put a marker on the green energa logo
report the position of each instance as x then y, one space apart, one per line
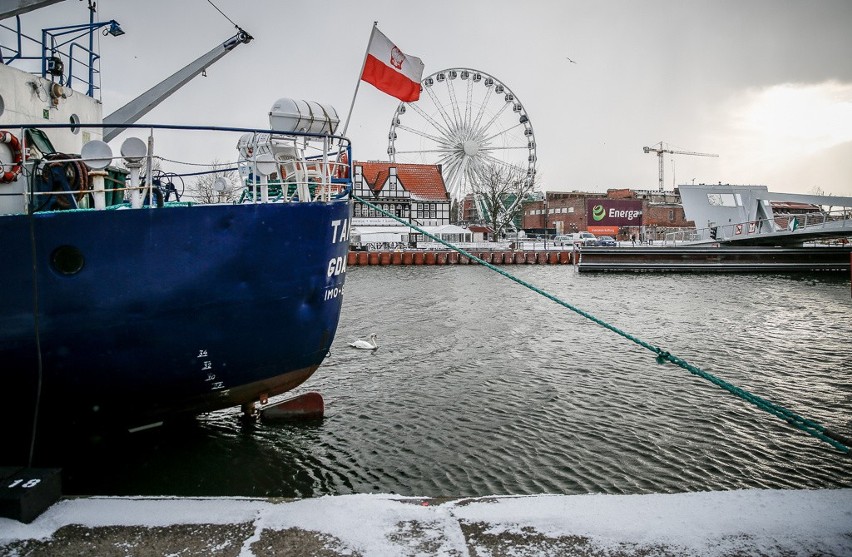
598 212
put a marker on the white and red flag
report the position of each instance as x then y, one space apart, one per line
391 71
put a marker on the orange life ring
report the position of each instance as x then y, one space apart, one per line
17 157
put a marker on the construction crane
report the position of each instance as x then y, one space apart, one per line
662 150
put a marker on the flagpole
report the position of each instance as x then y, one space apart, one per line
361 73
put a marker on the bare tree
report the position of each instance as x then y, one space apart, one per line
498 192
208 188
455 211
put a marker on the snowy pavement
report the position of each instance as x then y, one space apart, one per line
750 522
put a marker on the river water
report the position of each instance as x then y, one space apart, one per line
481 386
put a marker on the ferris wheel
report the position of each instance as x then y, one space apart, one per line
465 120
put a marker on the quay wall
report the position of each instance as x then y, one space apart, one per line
449 257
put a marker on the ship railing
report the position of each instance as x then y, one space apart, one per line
282 166
278 167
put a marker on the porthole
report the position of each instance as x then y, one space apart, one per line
2 105
67 260
75 124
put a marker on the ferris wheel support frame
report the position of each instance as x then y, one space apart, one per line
453 129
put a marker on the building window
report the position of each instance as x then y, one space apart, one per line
722 199
671 215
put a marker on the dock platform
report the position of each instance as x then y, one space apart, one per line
714 259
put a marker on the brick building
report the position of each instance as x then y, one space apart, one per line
566 212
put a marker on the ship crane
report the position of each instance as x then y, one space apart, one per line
144 103
660 150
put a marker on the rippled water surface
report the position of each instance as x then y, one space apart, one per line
480 386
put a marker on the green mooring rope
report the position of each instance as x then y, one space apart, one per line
811 427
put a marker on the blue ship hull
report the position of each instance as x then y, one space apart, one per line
120 318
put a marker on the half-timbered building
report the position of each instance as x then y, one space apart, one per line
415 193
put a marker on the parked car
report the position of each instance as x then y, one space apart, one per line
585 239
577 238
606 241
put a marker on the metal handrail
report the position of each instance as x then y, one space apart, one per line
323 177
779 224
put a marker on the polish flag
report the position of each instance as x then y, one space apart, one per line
391 71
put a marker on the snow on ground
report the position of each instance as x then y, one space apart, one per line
711 523
769 522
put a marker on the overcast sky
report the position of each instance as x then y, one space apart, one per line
766 85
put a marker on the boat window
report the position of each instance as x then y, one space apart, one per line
67 260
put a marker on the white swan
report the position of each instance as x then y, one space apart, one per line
364 344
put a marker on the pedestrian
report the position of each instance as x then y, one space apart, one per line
633 239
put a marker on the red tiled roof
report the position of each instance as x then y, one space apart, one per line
422 181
